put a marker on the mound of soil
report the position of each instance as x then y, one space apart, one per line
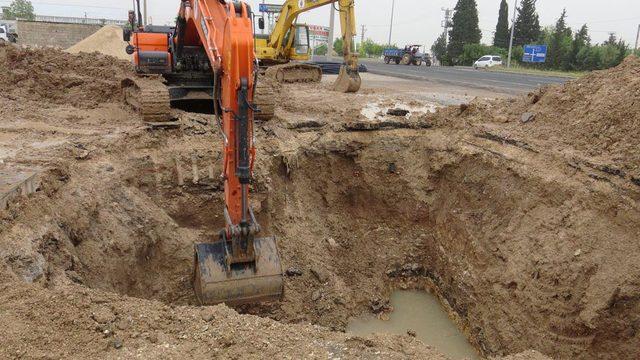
596 116
108 41
83 80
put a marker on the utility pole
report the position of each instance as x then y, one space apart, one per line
262 30
145 13
364 30
393 7
513 30
637 39
332 23
445 24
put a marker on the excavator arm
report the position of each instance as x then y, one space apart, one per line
281 38
239 267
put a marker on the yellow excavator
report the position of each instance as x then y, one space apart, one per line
290 41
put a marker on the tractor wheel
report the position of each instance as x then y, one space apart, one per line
387 59
407 59
397 60
418 62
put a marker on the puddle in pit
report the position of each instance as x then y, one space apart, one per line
421 312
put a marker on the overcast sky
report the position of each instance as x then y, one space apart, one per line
416 21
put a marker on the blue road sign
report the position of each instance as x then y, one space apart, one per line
270 8
535 53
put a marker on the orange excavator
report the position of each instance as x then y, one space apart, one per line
213 43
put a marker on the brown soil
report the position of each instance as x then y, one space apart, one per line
107 41
83 81
527 247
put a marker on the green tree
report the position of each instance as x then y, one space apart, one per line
465 29
560 44
19 9
517 53
321 50
337 46
527 26
623 51
439 48
612 40
502 34
581 40
370 48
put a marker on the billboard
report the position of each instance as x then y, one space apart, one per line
319 33
535 53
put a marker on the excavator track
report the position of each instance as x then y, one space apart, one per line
149 97
264 100
295 73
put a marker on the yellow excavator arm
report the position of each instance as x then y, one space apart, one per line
280 45
281 41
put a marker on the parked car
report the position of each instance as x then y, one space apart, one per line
487 61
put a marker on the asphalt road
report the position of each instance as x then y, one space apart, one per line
466 77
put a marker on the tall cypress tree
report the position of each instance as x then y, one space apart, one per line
502 35
439 48
527 24
465 29
580 41
556 48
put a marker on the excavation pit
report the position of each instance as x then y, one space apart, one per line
356 217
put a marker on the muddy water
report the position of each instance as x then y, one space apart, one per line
422 313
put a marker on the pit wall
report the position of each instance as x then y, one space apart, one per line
528 256
53 34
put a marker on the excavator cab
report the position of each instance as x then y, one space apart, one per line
301 49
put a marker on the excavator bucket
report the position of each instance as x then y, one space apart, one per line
347 81
216 282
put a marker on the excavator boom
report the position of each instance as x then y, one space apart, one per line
239 267
213 42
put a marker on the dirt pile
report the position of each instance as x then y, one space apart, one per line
596 116
83 80
108 41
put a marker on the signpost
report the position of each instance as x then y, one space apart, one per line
271 8
535 54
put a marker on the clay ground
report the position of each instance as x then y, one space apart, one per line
526 231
